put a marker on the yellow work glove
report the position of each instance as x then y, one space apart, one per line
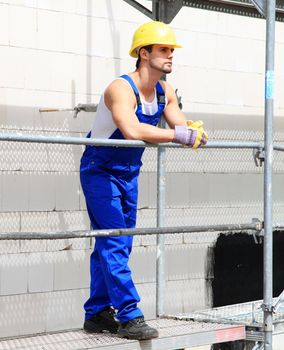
192 135
201 137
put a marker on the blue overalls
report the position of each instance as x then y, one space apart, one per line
109 180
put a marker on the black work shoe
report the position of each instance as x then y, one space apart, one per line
137 329
103 322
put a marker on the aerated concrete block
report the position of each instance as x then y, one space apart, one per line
188 295
152 189
67 221
177 189
143 195
59 310
77 26
173 297
147 293
34 221
33 246
15 192
80 296
11 71
4 24
71 269
41 312
197 295
40 272
50 30
143 264
137 241
66 191
9 247
10 221
26 18
22 314
186 261
13 274
41 192
82 201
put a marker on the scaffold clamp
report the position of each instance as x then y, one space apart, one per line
258 156
278 302
178 99
267 308
85 107
259 233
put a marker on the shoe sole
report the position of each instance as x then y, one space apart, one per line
137 336
99 330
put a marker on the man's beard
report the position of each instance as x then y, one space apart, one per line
164 69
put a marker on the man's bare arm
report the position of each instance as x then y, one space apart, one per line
121 101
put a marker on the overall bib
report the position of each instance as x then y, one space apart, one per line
109 180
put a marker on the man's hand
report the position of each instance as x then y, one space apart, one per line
192 135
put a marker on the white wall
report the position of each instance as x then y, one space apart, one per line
60 53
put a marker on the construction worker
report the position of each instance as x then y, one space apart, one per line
130 108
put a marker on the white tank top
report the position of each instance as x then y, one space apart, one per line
104 126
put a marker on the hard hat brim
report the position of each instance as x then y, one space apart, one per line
134 51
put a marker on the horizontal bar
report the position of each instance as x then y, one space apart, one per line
202 318
234 7
255 225
68 140
278 226
18 137
278 147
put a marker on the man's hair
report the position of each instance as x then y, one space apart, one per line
147 48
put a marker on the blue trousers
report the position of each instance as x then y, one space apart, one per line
111 200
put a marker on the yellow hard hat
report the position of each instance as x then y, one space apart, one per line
150 33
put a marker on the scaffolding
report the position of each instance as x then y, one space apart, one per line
195 329
263 152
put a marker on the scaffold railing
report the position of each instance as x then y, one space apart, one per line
256 227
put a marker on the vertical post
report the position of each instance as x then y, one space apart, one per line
161 204
268 169
161 200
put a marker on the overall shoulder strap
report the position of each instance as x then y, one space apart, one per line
135 90
160 94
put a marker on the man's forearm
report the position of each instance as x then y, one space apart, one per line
150 133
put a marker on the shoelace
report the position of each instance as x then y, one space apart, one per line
139 320
111 312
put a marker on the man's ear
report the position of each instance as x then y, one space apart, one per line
143 53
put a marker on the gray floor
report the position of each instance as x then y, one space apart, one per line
173 334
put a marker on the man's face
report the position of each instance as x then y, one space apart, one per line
161 58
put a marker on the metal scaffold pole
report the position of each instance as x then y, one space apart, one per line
161 202
268 168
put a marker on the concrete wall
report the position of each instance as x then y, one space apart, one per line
60 53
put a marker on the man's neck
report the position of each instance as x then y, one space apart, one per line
145 80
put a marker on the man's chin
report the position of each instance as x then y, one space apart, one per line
167 71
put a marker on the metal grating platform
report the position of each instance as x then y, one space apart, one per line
173 334
250 314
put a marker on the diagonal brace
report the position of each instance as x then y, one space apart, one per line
260 6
